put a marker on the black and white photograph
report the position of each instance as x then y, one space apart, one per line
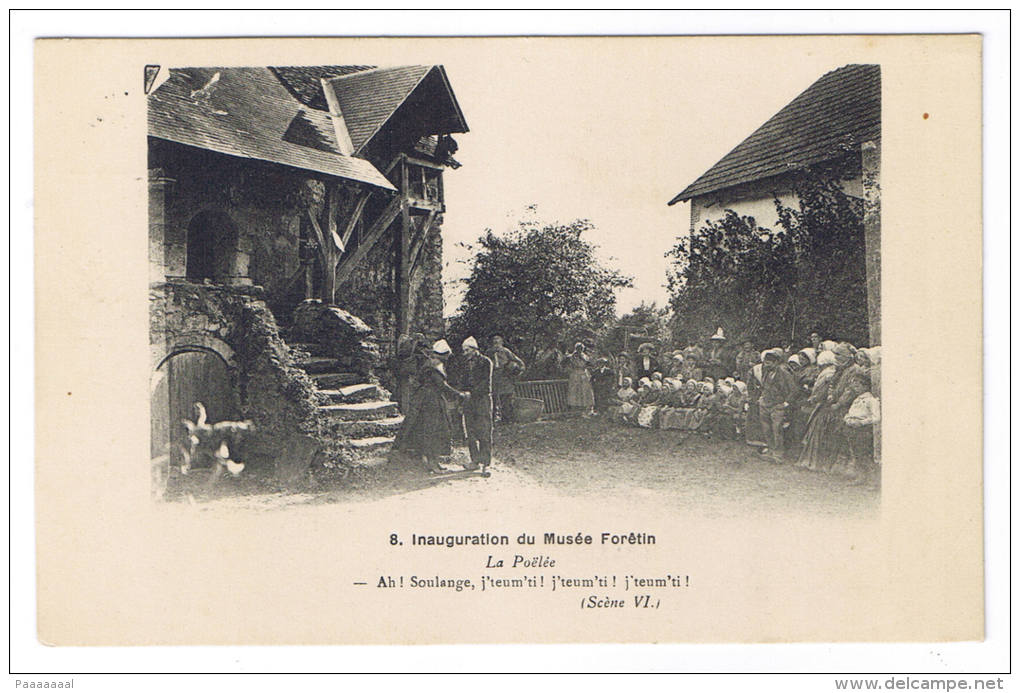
531 340
324 323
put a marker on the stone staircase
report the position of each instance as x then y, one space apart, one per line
357 412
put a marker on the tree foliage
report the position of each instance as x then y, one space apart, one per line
776 286
539 285
646 319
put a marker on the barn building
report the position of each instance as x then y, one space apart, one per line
837 120
295 216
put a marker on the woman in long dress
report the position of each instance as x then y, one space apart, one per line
811 407
427 427
579 393
823 439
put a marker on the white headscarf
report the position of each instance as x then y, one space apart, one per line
826 358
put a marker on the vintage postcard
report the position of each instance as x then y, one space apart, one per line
509 340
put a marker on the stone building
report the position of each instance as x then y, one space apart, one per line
837 121
294 233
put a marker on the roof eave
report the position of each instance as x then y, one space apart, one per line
453 99
388 186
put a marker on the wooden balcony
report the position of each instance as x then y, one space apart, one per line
420 183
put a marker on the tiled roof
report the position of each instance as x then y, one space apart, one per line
305 82
369 98
247 112
841 110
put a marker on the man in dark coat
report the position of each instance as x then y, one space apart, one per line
478 407
778 391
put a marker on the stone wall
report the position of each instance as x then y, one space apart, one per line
236 324
267 206
279 399
262 203
427 286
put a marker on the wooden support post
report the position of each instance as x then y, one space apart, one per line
870 169
871 162
404 248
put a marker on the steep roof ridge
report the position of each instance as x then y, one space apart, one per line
781 135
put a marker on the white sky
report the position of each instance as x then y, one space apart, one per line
608 130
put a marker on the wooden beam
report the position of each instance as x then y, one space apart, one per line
369 239
352 220
319 237
396 160
419 244
404 268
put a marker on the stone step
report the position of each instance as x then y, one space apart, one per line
367 429
332 381
372 461
360 392
371 443
317 365
306 347
360 411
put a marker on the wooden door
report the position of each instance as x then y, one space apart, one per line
183 379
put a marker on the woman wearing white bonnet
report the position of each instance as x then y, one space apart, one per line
426 427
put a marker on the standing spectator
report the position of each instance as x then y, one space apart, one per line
715 367
811 455
478 407
676 364
506 367
646 363
778 390
625 368
816 341
863 414
745 358
821 444
850 384
547 363
580 397
752 428
603 381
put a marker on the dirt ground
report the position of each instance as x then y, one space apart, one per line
580 458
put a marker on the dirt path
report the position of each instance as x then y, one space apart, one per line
586 459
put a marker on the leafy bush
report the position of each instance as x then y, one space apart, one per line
539 285
776 286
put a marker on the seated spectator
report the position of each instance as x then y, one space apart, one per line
676 364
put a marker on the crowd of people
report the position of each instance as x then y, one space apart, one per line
817 406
